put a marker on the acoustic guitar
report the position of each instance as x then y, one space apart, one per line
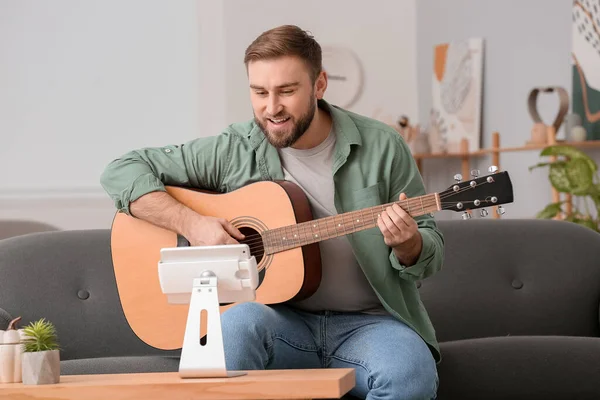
276 219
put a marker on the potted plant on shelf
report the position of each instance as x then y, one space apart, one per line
572 172
40 359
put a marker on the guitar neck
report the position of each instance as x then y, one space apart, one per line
292 236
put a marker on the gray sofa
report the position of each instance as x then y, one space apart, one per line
516 307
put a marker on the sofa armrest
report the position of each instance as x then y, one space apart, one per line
520 367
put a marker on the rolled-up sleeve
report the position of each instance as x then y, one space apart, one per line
200 163
429 261
407 179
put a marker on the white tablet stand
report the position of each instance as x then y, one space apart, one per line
205 277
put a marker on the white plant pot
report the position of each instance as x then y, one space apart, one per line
40 367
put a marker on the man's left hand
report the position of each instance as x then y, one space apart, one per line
401 233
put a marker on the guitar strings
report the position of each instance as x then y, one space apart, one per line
258 239
250 239
255 239
257 246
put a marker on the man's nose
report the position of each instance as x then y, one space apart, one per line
274 106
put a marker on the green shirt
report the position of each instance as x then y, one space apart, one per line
372 165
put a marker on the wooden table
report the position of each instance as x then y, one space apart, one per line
256 385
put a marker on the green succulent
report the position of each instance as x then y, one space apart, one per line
575 173
39 335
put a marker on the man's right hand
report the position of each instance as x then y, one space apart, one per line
211 231
160 209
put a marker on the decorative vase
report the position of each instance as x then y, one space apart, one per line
420 144
578 134
10 362
539 134
10 353
571 120
41 367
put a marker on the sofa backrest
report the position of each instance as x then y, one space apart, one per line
67 277
500 277
515 277
17 227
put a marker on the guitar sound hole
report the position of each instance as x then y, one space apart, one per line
255 243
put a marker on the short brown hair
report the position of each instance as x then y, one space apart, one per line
287 40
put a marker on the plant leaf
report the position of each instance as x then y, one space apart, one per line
550 211
558 177
539 165
573 176
596 198
592 190
39 336
570 152
587 222
580 175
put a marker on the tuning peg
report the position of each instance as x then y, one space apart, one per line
493 169
500 210
466 215
475 173
483 212
458 177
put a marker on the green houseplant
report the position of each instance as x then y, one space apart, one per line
572 172
41 359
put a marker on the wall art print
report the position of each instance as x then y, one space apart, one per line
585 59
457 90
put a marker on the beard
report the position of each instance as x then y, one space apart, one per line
281 138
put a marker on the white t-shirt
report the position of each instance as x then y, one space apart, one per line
344 286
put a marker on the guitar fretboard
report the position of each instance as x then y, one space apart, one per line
292 236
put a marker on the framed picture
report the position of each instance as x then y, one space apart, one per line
585 59
457 93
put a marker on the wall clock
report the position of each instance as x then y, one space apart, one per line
344 73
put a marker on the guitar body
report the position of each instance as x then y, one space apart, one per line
288 275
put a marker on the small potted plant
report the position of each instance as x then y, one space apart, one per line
40 359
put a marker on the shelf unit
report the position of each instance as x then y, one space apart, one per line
495 150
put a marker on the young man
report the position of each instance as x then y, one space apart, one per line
366 313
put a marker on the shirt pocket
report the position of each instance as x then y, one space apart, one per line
370 196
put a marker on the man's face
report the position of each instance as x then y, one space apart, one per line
283 99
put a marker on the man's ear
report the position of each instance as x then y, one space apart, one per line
321 85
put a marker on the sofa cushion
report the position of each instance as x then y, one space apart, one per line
119 365
519 367
515 277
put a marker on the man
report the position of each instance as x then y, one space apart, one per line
366 314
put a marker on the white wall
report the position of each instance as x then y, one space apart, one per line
382 36
83 82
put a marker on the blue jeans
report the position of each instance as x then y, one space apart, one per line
391 361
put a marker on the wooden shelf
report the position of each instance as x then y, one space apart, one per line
421 156
492 150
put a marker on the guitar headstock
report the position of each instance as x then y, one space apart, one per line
479 192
